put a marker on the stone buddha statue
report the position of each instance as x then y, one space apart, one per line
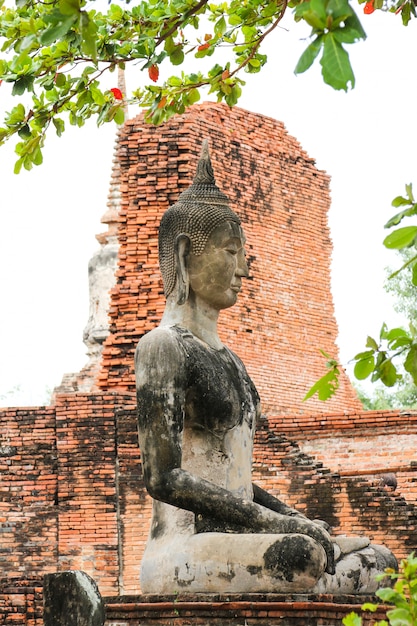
212 529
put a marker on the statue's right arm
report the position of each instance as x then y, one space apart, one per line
161 387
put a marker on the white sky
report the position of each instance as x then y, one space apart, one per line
366 140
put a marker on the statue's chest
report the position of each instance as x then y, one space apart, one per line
220 395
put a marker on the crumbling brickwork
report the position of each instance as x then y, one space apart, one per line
29 485
73 495
284 314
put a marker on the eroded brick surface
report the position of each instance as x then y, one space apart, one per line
284 314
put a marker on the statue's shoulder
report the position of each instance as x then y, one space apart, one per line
163 342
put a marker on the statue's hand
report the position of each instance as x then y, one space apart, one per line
317 529
294 513
322 523
299 524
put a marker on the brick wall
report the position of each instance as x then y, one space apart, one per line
28 470
73 495
284 314
21 601
330 467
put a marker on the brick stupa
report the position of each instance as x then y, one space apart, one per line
285 314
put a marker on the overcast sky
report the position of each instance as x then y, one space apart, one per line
365 140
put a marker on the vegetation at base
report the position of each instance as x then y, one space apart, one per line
390 358
402 595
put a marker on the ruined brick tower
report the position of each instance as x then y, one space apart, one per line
284 315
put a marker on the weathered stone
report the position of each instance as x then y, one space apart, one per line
72 599
351 544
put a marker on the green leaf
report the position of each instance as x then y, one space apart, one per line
69 7
88 32
345 35
16 115
60 79
119 116
364 367
354 25
24 132
369 606
37 158
394 333
97 95
22 84
401 238
177 55
410 363
193 96
325 387
57 32
396 219
220 27
59 125
406 13
234 19
400 201
414 274
336 69
388 373
309 55
409 192
313 20
371 343
18 166
352 619
364 355
319 8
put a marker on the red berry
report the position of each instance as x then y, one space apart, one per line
369 7
117 93
153 72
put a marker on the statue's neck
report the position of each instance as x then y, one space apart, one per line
196 317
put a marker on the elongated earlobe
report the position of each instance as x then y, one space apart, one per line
182 249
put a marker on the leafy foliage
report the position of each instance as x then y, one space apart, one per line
396 345
400 285
404 238
333 23
395 350
402 396
328 384
379 360
404 393
403 595
56 52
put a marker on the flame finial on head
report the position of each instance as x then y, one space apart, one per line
204 174
203 188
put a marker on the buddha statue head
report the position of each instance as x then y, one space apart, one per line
200 209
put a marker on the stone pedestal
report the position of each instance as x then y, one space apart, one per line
71 598
236 610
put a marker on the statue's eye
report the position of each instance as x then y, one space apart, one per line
231 250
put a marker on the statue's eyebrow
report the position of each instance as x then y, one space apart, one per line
235 240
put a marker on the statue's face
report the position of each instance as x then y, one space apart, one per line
216 275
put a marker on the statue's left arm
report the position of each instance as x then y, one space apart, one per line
262 497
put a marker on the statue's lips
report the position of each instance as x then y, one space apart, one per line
235 288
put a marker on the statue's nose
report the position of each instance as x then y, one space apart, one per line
242 269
